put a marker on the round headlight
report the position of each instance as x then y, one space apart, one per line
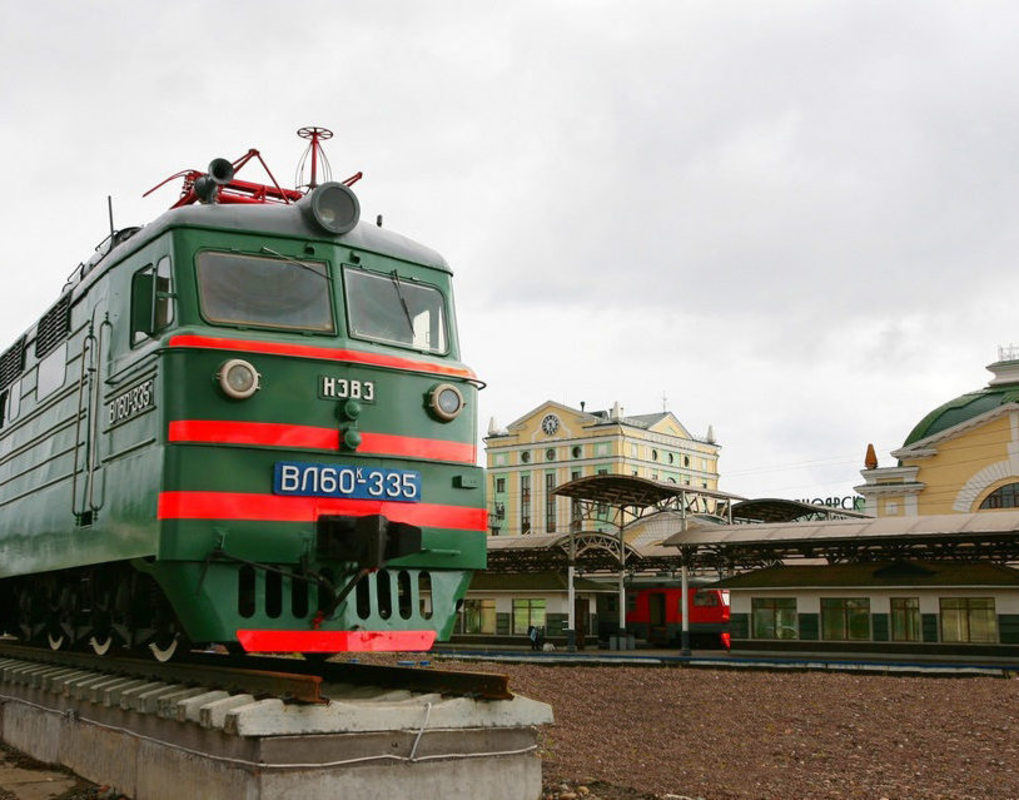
334 207
238 379
446 401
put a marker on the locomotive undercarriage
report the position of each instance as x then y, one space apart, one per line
95 608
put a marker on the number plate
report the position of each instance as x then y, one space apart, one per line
358 483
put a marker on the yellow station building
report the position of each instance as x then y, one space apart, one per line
962 457
554 444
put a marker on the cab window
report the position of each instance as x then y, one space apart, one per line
245 290
383 307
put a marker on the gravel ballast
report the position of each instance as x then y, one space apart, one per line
634 732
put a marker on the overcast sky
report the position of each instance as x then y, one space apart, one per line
795 222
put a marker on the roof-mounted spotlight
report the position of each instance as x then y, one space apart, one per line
333 207
220 173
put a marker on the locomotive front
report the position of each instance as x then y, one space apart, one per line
319 489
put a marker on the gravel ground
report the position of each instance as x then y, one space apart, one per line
660 732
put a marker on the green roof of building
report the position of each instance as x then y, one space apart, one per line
961 409
876 574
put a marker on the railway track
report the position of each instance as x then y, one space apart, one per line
289 679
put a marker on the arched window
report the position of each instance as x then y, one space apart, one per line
1006 496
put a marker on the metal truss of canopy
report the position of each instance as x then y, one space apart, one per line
621 500
594 551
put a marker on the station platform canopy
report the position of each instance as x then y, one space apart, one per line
642 515
977 536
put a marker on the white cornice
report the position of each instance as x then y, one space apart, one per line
890 488
889 472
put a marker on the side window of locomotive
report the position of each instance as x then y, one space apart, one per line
151 300
384 308
51 372
243 290
163 294
13 407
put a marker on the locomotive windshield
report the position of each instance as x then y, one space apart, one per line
383 308
270 292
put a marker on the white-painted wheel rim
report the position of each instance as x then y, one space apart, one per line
164 653
101 646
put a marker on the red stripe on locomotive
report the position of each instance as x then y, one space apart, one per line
325 353
249 506
274 434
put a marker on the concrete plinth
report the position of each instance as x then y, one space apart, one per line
167 741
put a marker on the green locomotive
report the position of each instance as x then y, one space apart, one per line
245 423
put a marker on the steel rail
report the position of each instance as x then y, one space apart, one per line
272 676
481 685
288 685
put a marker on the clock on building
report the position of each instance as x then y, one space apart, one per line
550 424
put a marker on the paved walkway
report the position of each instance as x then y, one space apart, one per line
20 779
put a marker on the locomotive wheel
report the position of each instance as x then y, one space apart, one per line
56 641
101 643
166 645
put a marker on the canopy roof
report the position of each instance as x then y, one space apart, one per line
986 535
624 490
768 509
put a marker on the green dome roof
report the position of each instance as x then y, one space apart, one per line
963 408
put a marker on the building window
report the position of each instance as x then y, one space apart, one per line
525 503
577 451
550 454
525 457
774 617
550 509
968 619
654 455
1003 497
479 616
13 402
686 461
845 619
672 458
500 485
906 619
528 612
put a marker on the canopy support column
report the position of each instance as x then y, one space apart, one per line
685 608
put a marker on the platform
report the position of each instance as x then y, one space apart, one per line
157 741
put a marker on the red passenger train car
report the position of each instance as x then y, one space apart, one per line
654 613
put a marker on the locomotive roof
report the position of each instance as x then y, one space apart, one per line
282 220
